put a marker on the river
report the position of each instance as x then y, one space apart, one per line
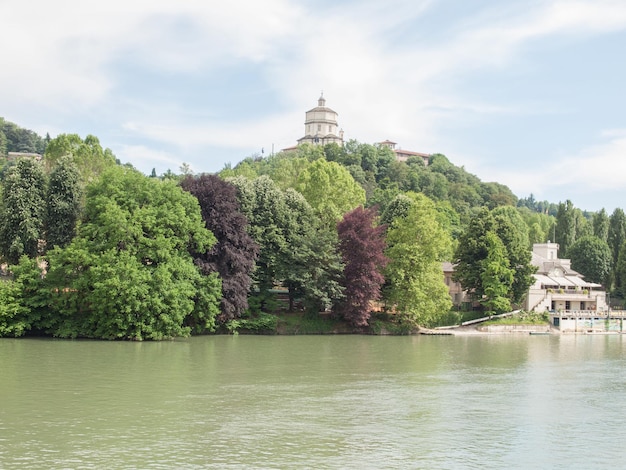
441 402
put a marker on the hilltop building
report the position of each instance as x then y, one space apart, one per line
321 128
320 125
404 155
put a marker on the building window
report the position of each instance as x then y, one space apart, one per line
319 128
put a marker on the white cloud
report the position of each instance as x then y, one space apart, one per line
596 169
144 158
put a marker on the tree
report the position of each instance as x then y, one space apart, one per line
398 207
128 273
22 212
63 203
314 267
592 258
417 244
471 250
263 204
619 274
496 276
565 226
474 247
330 190
617 232
295 250
234 254
601 225
513 232
87 154
362 246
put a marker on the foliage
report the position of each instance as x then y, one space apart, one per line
513 233
297 324
362 248
128 273
330 190
521 318
474 247
263 323
592 258
22 212
600 221
294 249
234 254
620 272
63 203
13 138
88 155
496 276
417 244
13 314
616 232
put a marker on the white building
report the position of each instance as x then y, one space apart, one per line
320 126
558 288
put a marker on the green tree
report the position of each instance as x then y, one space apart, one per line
592 258
330 189
565 226
63 203
617 232
474 247
128 273
87 154
13 314
601 225
22 212
496 276
417 244
619 273
513 232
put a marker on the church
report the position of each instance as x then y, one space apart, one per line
321 128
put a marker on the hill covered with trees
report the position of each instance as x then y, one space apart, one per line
97 249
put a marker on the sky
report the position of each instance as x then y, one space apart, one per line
527 93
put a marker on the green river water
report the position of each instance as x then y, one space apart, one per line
489 402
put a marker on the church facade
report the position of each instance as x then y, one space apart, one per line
320 126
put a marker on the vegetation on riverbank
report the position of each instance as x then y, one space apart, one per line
96 249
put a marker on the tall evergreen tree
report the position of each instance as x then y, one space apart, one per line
617 232
63 203
23 209
565 234
601 225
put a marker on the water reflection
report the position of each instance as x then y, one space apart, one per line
310 402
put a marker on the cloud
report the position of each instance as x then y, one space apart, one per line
587 173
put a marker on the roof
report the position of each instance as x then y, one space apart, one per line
408 152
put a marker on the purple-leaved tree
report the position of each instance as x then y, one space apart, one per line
235 253
362 246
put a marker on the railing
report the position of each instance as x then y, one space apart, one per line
590 313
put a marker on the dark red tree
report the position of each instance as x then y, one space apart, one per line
362 246
235 252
